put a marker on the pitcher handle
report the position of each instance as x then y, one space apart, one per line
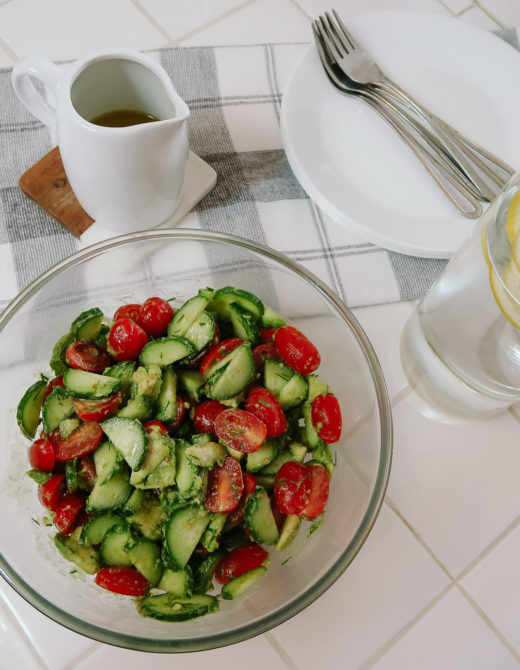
45 71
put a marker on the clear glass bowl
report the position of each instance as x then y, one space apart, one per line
176 264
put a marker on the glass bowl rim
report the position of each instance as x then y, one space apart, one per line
310 594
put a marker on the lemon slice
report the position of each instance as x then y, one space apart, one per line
506 291
513 218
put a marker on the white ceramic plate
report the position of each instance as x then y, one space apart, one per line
354 166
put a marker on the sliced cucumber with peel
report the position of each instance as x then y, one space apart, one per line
28 412
82 384
129 436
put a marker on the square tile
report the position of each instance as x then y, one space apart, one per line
14 646
349 8
250 80
391 580
252 127
450 635
457 6
58 29
494 584
507 12
480 19
454 480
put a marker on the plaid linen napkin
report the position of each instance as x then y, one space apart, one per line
234 94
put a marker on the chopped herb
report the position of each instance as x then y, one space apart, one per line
287 559
265 402
72 572
315 525
36 521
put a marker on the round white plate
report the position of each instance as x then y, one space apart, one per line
356 168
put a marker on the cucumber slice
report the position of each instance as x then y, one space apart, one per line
123 371
243 323
147 381
68 426
270 319
178 583
276 375
288 532
57 363
158 468
165 351
111 495
187 315
201 332
58 405
277 463
260 458
223 298
166 408
71 474
294 392
114 546
87 325
259 519
192 383
187 477
83 384
150 518
129 436
131 507
28 411
238 585
203 578
107 460
168 607
139 407
145 556
298 451
211 535
316 387
86 558
183 532
206 455
267 481
97 526
233 374
308 434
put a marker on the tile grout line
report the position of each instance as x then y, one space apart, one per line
385 648
282 653
26 640
12 55
151 18
84 656
489 622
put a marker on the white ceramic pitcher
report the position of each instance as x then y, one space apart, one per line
126 178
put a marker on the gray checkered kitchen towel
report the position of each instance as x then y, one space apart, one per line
234 126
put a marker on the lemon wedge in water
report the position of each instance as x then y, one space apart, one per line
513 218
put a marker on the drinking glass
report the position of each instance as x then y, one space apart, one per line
461 347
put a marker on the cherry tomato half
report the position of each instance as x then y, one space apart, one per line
217 353
154 425
41 455
52 491
297 350
239 561
326 417
123 580
266 407
249 486
292 487
130 311
81 441
319 478
267 334
263 352
87 470
67 511
97 410
126 339
240 430
154 316
205 415
87 356
225 486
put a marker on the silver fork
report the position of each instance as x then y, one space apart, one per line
472 160
439 169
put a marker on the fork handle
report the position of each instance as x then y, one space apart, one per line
473 160
451 187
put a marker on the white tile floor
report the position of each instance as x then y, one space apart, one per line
437 584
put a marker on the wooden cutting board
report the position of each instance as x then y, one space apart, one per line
47 184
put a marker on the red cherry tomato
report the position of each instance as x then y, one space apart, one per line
319 494
87 470
297 350
267 334
81 441
85 355
52 491
326 417
97 410
225 486
67 511
58 381
154 316
205 415
263 352
240 430
154 425
41 455
292 487
249 486
172 426
217 353
130 311
240 560
126 339
266 407
123 580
